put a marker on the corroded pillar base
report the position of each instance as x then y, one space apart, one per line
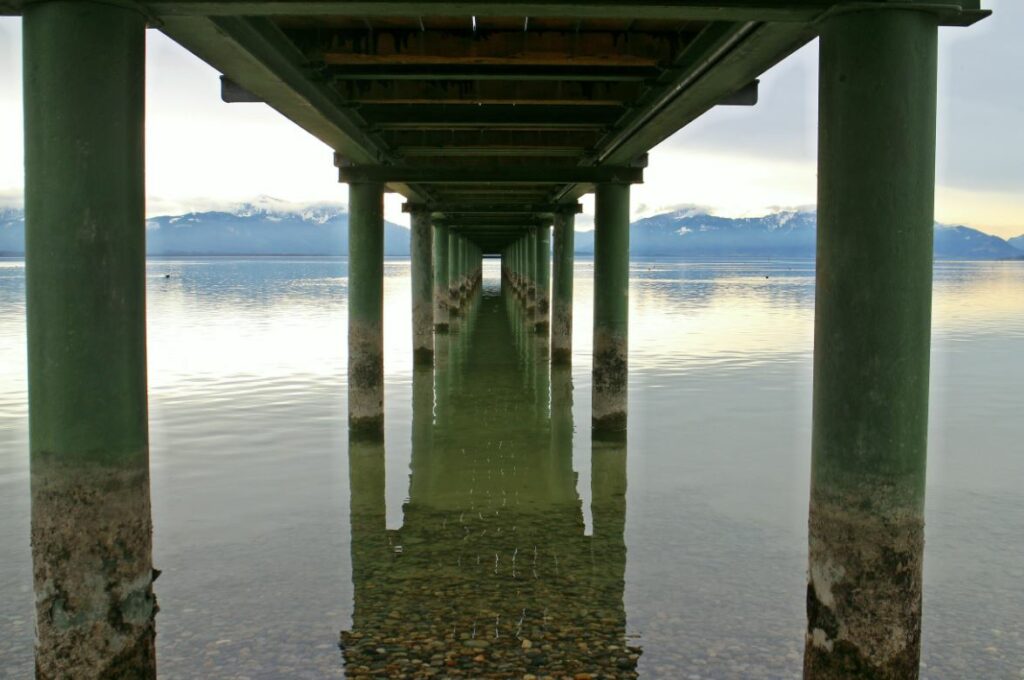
365 380
610 382
864 589
93 571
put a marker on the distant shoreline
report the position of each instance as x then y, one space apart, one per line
692 258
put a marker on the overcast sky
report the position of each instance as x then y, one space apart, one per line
203 153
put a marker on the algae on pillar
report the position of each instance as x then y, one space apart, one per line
611 307
561 298
876 170
541 321
422 288
441 278
366 310
84 89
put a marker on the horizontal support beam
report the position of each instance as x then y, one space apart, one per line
488 152
412 46
495 221
445 115
494 208
678 10
575 92
406 140
519 73
496 175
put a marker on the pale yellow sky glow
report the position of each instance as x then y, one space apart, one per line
202 153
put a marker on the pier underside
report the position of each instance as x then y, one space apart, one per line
492 119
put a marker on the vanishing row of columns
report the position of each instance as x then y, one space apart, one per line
446 266
85 289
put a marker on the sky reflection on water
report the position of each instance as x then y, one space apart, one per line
251 473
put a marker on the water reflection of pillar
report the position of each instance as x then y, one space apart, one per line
608 510
368 519
541 375
562 427
422 418
495 576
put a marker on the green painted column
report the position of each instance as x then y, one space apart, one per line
541 322
441 278
524 284
454 265
366 310
611 307
520 280
422 288
876 174
463 268
531 274
515 267
561 298
84 93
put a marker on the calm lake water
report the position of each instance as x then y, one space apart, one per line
487 517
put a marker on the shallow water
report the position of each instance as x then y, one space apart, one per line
488 517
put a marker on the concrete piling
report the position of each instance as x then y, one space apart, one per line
611 307
541 321
872 336
84 80
441 278
421 267
366 310
561 298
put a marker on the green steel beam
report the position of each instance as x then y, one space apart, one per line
576 92
674 10
499 115
504 74
494 175
444 209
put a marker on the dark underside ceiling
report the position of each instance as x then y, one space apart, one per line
492 115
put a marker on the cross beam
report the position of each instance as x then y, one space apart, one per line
494 208
492 175
951 12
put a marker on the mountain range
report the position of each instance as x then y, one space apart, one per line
269 227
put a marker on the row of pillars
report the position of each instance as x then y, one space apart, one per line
446 267
84 73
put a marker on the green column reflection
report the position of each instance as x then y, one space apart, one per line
492 574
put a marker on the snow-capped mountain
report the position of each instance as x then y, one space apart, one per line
263 227
268 226
783 234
